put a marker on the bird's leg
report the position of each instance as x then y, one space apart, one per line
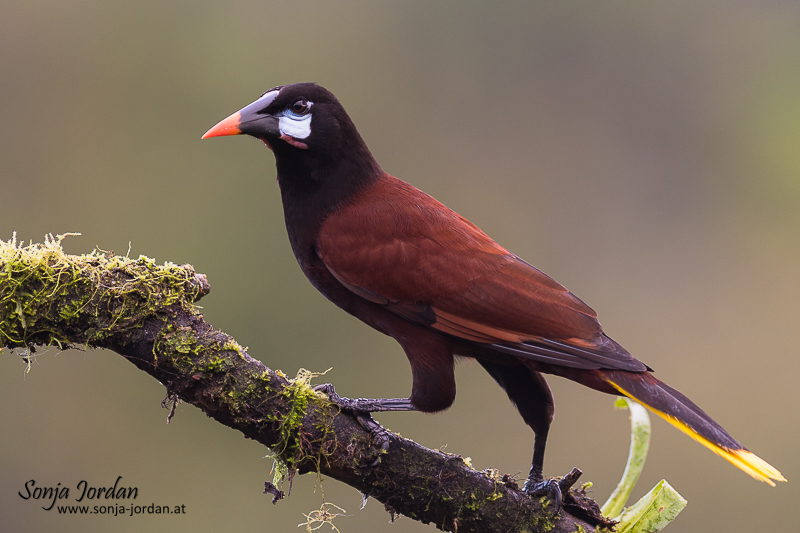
535 484
536 476
362 407
529 391
365 405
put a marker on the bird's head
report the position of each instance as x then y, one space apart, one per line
293 118
314 141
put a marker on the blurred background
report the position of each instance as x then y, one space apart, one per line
645 155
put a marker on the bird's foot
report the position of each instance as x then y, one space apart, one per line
362 409
548 488
551 488
380 436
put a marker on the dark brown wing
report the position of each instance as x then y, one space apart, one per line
399 247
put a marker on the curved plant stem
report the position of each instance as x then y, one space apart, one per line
640 444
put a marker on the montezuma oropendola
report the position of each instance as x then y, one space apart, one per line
413 269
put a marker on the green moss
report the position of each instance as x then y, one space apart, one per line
179 345
542 523
299 395
233 346
250 391
214 364
473 505
476 503
494 496
41 285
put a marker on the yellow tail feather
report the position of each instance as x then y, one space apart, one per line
742 459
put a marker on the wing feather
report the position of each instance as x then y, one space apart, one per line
396 246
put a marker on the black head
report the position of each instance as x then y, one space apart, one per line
306 127
322 160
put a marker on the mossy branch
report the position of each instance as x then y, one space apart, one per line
145 312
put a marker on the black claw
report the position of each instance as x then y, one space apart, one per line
379 435
549 488
553 489
330 392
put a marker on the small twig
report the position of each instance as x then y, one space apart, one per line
171 397
566 482
277 495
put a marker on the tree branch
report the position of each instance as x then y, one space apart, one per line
145 313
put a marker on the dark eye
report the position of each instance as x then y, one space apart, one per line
301 107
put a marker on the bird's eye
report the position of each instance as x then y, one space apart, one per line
301 107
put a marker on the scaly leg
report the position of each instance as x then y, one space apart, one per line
362 407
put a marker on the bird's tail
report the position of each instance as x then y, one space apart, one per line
682 413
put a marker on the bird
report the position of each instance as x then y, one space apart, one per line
415 270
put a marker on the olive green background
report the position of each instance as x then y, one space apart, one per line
646 155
